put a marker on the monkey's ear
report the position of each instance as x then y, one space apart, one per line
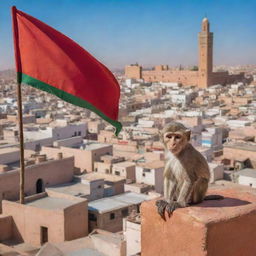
188 134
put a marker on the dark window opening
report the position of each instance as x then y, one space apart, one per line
37 147
125 212
44 235
117 173
92 217
112 216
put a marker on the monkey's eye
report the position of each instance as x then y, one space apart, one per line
169 136
178 137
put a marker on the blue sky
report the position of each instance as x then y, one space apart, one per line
119 32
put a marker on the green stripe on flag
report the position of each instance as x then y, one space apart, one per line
67 97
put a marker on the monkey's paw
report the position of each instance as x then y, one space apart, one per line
172 206
161 205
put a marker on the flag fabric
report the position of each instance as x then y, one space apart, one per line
50 61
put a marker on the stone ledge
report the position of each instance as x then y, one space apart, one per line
213 228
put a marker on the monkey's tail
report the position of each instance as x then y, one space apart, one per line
214 197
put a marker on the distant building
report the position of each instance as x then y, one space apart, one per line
39 174
235 153
246 177
45 218
203 77
86 153
152 174
216 172
108 213
132 233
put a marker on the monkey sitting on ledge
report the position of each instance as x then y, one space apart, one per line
186 173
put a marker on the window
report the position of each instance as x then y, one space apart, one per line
117 173
112 216
79 133
143 174
99 187
37 147
95 169
92 217
125 212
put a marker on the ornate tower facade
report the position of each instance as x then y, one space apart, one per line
205 39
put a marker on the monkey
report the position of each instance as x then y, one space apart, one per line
186 172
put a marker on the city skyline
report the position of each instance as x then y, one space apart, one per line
124 32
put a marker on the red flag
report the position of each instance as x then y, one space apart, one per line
50 61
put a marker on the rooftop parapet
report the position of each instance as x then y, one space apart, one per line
212 228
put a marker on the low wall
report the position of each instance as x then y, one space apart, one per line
213 228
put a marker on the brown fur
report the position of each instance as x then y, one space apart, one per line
186 173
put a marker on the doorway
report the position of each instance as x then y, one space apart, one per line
44 235
39 186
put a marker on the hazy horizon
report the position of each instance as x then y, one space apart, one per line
121 32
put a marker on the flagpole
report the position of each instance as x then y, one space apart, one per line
21 138
19 101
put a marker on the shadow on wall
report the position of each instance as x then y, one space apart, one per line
16 238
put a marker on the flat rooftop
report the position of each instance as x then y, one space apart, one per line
51 203
124 164
117 202
96 176
248 172
91 146
153 164
242 146
8 150
74 189
85 251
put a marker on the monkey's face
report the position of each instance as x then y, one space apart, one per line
175 141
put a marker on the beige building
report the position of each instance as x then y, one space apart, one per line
44 218
85 154
151 173
106 162
132 233
108 213
240 155
113 185
125 169
38 175
98 243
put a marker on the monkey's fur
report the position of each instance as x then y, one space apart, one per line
186 173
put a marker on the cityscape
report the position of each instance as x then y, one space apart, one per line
90 192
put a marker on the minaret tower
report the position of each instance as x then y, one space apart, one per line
205 39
